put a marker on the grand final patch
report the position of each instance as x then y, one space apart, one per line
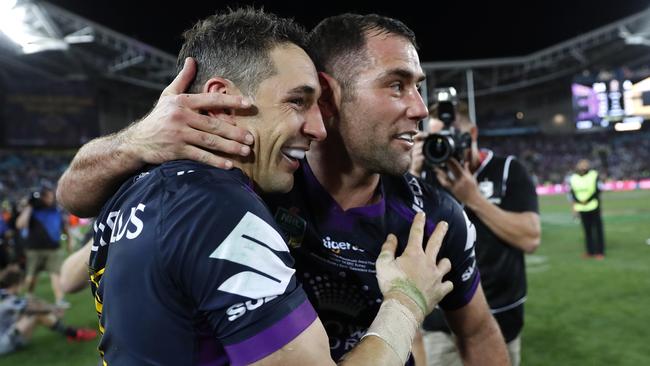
292 225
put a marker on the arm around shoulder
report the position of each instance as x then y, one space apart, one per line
95 173
74 271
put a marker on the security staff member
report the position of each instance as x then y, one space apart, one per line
585 195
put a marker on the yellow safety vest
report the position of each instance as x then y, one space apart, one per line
584 186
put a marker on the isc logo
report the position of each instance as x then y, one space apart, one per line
237 310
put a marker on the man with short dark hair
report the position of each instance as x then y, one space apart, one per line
350 190
188 266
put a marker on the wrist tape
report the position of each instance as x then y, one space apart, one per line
396 325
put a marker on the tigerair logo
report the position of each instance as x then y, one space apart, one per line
338 246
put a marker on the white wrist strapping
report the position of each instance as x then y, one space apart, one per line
396 325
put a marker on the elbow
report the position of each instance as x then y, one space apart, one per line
62 195
534 234
533 241
532 244
67 198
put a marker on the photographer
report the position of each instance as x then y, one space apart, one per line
500 199
41 224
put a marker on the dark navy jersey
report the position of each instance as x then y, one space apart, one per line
504 182
189 268
336 250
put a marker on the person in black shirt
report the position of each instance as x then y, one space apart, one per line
500 199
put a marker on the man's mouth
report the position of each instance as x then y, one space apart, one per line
294 153
406 136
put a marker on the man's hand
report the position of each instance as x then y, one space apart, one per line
176 128
461 182
415 273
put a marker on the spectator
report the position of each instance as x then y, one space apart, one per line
20 316
41 224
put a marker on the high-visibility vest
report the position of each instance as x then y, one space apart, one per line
584 186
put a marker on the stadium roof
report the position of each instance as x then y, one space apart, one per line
622 43
68 46
38 38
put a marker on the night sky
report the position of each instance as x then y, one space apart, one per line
492 30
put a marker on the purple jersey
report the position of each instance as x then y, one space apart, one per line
336 250
189 268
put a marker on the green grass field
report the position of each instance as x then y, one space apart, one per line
588 312
579 312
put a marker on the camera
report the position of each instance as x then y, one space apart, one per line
35 200
448 143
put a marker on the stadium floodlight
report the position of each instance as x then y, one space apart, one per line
16 25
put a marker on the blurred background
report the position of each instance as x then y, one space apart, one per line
550 83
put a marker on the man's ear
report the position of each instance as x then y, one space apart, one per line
330 98
219 85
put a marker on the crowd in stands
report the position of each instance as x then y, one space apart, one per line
619 156
25 170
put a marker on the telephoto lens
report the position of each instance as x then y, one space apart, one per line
438 148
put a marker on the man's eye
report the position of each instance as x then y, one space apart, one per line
300 102
397 87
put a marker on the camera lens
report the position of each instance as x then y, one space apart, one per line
438 148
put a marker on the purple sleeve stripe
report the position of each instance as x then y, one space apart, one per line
273 338
467 297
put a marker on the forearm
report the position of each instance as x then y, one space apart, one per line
94 174
22 221
479 338
383 350
371 351
485 347
74 271
521 230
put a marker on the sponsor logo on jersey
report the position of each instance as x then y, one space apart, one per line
238 310
486 188
418 202
292 225
120 226
338 246
471 233
469 246
253 243
467 274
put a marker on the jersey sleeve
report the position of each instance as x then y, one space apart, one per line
458 247
222 248
520 195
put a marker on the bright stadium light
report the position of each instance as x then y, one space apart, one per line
15 25
12 22
631 125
